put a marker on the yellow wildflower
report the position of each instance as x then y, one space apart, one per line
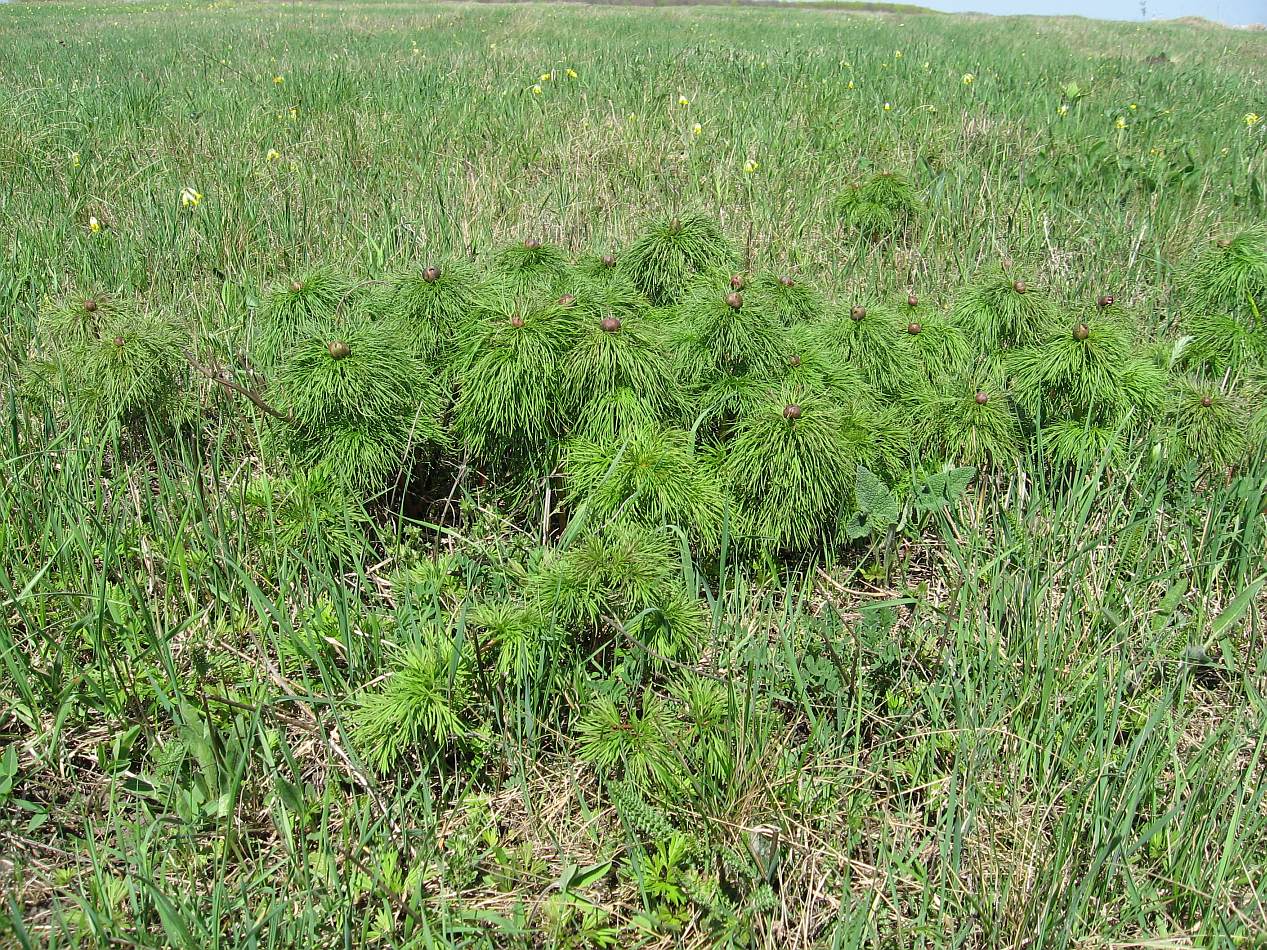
1252 119
278 80
571 73
751 166
1063 109
544 77
94 225
1119 123
897 54
968 79
1134 106
683 101
696 129
888 107
294 112
273 155
190 198
536 89
74 158
850 86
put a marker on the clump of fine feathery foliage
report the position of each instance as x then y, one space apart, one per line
726 347
620 580
293 305
430 303
1220 342
1003 311
653 477
886 204
940 345
617 374
873 340
1074 370
809 366
524 643
668 255
533 269
1069 442
1231 276
360 402
1206 426
788 300
508 374
421 702
116 364
790 466
968 419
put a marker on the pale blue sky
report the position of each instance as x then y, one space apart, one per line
1225 11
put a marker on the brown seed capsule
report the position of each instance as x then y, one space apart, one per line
1081 332
296 286
675 226
1207 402
794 361
792 412
734 300
1007 263
913 329
532 244
982 398
787 281
737 282
431 275
1224 243
90 306
1020 286
611 324
608 260
857 313
338 350
119 341
912 300
517 322
567 300
1105 301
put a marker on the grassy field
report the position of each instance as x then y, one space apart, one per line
453 700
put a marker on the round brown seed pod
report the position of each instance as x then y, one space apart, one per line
517 322
338 350
296 286
611 324
792 411
857 313
1081 332
734 300
913 329
1020 286
1207 401
532 244
119 341
794 361
567 300
1105 301
912 300
982 398
675 225
787 281
737 282
90 306
608 260
431 275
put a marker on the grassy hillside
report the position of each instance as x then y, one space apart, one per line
915 599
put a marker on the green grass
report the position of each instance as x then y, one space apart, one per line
240 707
